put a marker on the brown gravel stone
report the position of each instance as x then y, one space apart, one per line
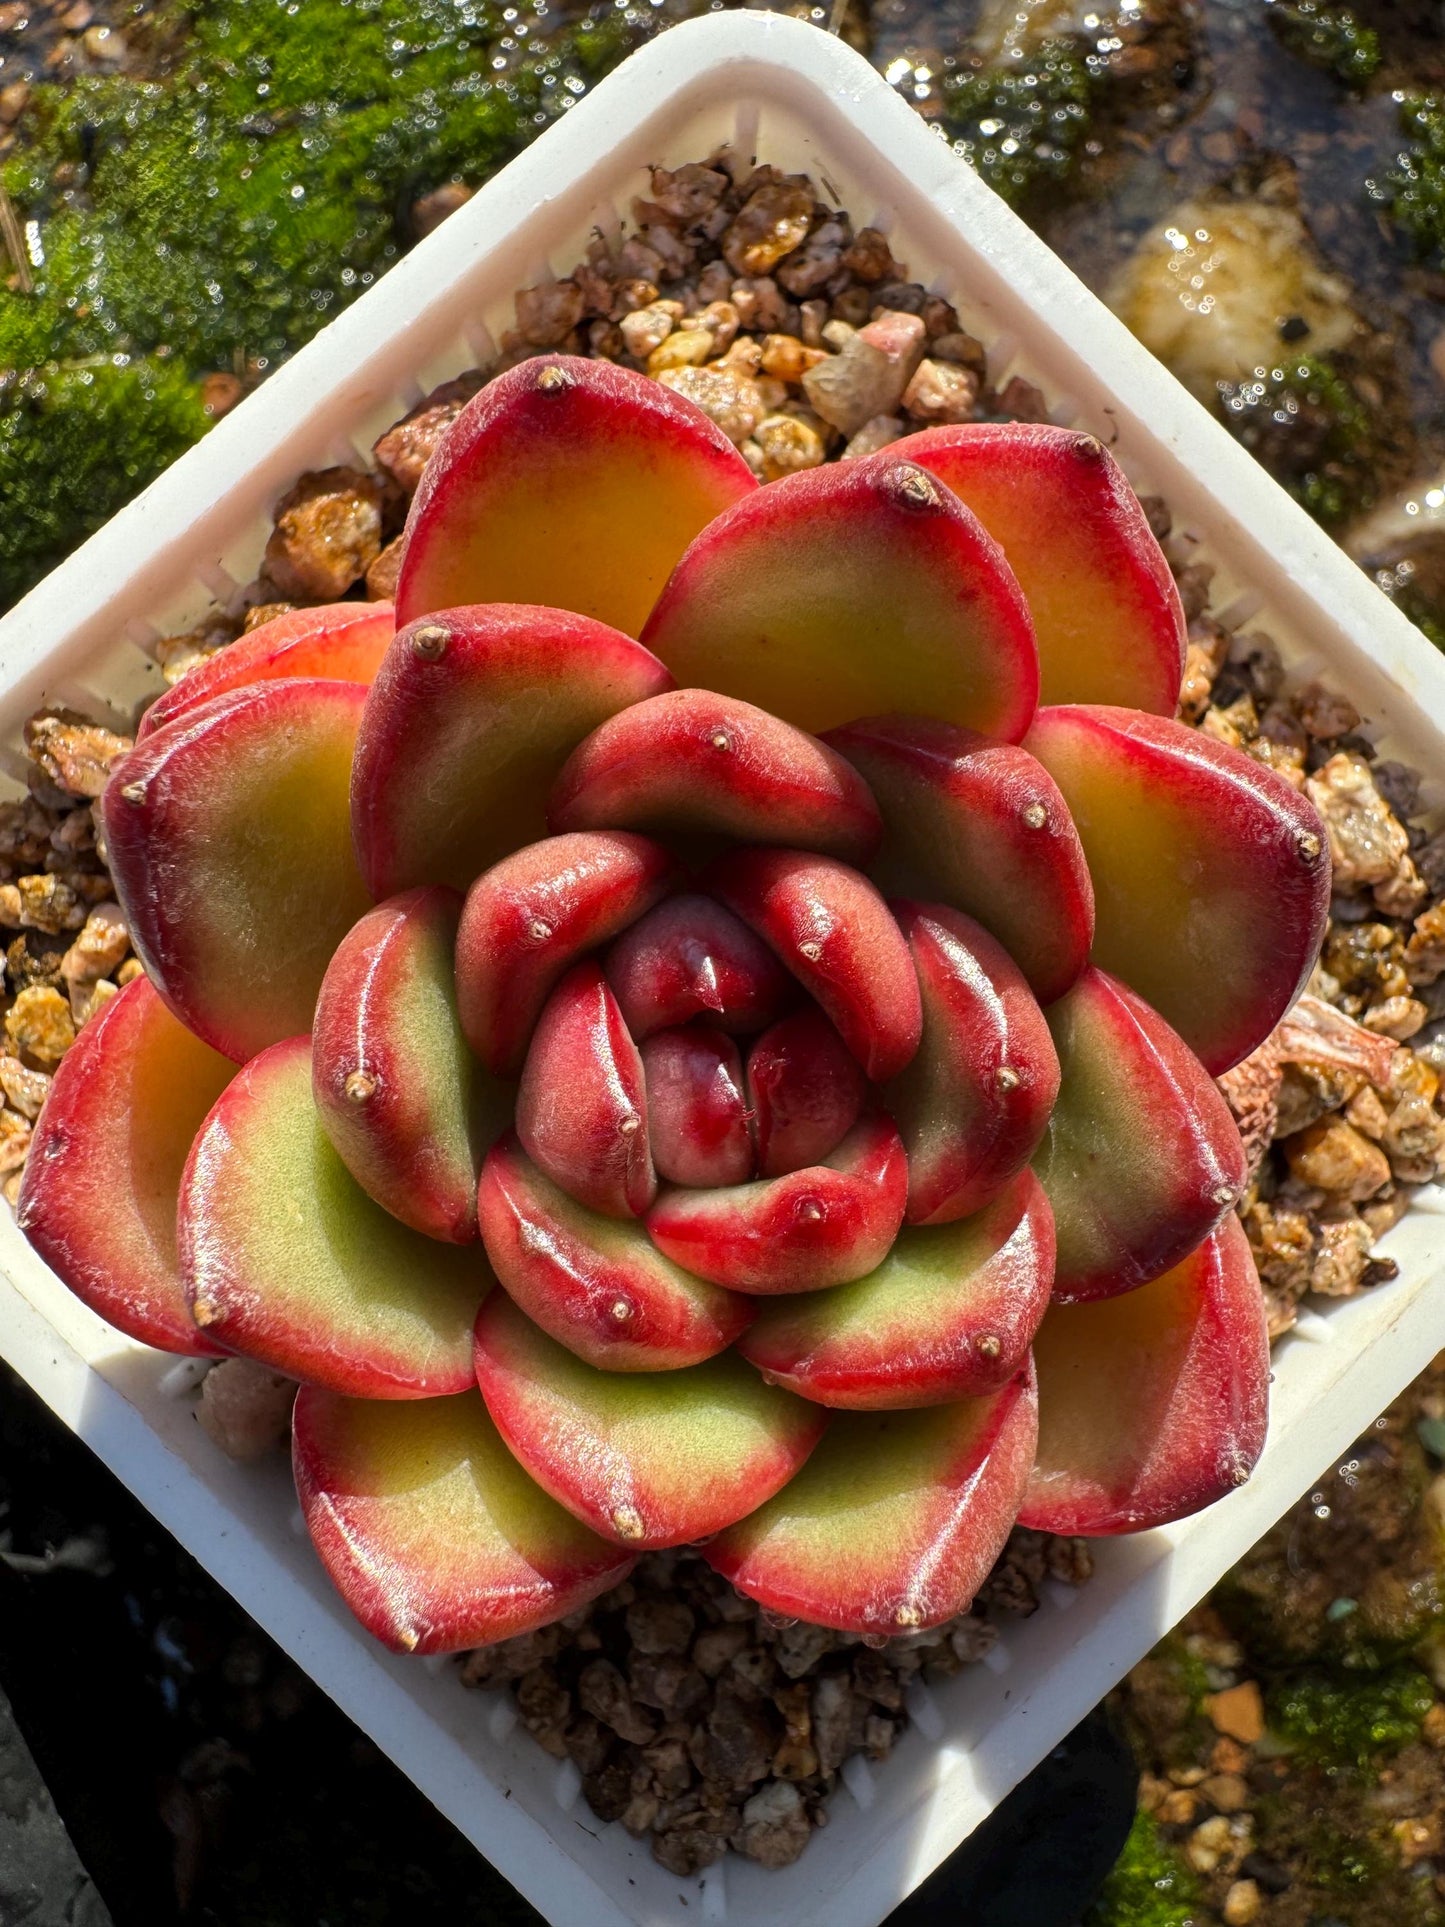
547 315
327 534
787 358
682 348
1238 1711
49 904
785 445
737 1745
718 1647
869 258
245 1407
382 576
770 224
545 1706
658 1625
875 433
815 266
589 1744
941 392
494 1665
732 400
686 1851
666 1681
1414 1140
1367 841
775 1825
688 193
175 655
25 1090
868 375
260 613
1334 1157
74 754
39 1025
14 1141
605 1694
404 451
1023 402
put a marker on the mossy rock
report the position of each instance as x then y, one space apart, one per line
1165 1704
1413 190
1022 127
1355 1722
1330 37
1306 422
1149 1886
1354 1581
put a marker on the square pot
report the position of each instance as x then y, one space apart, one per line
787 92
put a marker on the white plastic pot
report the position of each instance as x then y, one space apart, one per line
793 96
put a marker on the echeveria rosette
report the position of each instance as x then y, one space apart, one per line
697 1083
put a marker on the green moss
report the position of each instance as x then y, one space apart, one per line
1414 189
1148 1887
1021 127
1344 1863
77 442
1306 424
237 205
1351 1722
219 217
1319 1824
1328 37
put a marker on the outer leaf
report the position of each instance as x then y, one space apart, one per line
850 590
400 1096
895 1521
1211 873
431 1532
982 826
338 641
974 1102
692 763
645 1458
949 1313
98 1200
1152 1405
567 482
1142 1158
1108 618
287 1259
231 857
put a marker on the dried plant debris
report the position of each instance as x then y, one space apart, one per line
694 1719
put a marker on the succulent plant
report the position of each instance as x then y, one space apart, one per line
719 1062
